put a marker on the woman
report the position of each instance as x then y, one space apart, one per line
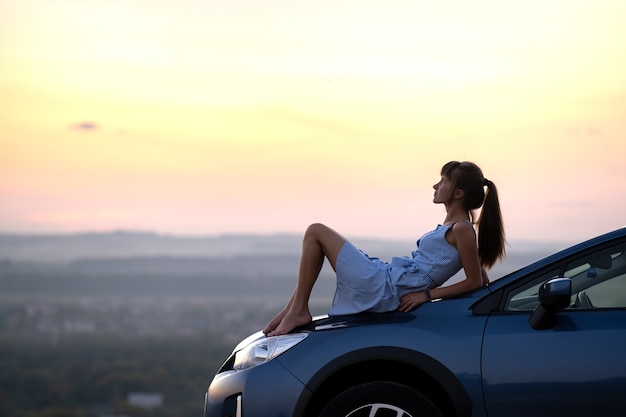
369 284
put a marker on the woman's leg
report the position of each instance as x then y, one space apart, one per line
319 242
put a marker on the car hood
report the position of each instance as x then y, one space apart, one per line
326 323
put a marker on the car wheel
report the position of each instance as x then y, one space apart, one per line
380 399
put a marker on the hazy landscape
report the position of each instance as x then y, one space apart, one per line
87 321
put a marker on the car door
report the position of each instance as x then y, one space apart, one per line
578 366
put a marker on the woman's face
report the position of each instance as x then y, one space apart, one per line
443 190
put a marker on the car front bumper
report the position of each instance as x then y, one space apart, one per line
263 391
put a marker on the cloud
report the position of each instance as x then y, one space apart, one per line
86 126
315 122
594 131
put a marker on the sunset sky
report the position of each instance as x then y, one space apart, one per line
208 117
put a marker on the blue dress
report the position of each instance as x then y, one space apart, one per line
370 284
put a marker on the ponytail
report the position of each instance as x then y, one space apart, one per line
491 239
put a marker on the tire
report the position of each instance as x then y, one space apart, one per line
380 399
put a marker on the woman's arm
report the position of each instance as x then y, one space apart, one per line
462 236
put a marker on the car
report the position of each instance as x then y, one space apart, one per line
546 340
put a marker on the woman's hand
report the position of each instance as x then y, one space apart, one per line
412 300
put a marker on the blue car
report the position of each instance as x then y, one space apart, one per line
546 340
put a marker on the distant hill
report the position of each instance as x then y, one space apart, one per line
136 263
71 247
122 244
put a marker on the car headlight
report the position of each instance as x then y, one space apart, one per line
266 349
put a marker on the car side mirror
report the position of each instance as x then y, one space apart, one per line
553 295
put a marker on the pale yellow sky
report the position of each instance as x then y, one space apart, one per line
205 117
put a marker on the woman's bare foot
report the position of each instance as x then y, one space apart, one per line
290 321
275 321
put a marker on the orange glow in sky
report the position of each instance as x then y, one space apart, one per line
191 117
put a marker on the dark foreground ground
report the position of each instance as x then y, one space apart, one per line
87 356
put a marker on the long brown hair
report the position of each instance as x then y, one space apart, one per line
480 192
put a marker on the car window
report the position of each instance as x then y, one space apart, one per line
525 297
598 281
608 294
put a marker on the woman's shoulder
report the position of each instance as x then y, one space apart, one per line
460 225
463 224
462 229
